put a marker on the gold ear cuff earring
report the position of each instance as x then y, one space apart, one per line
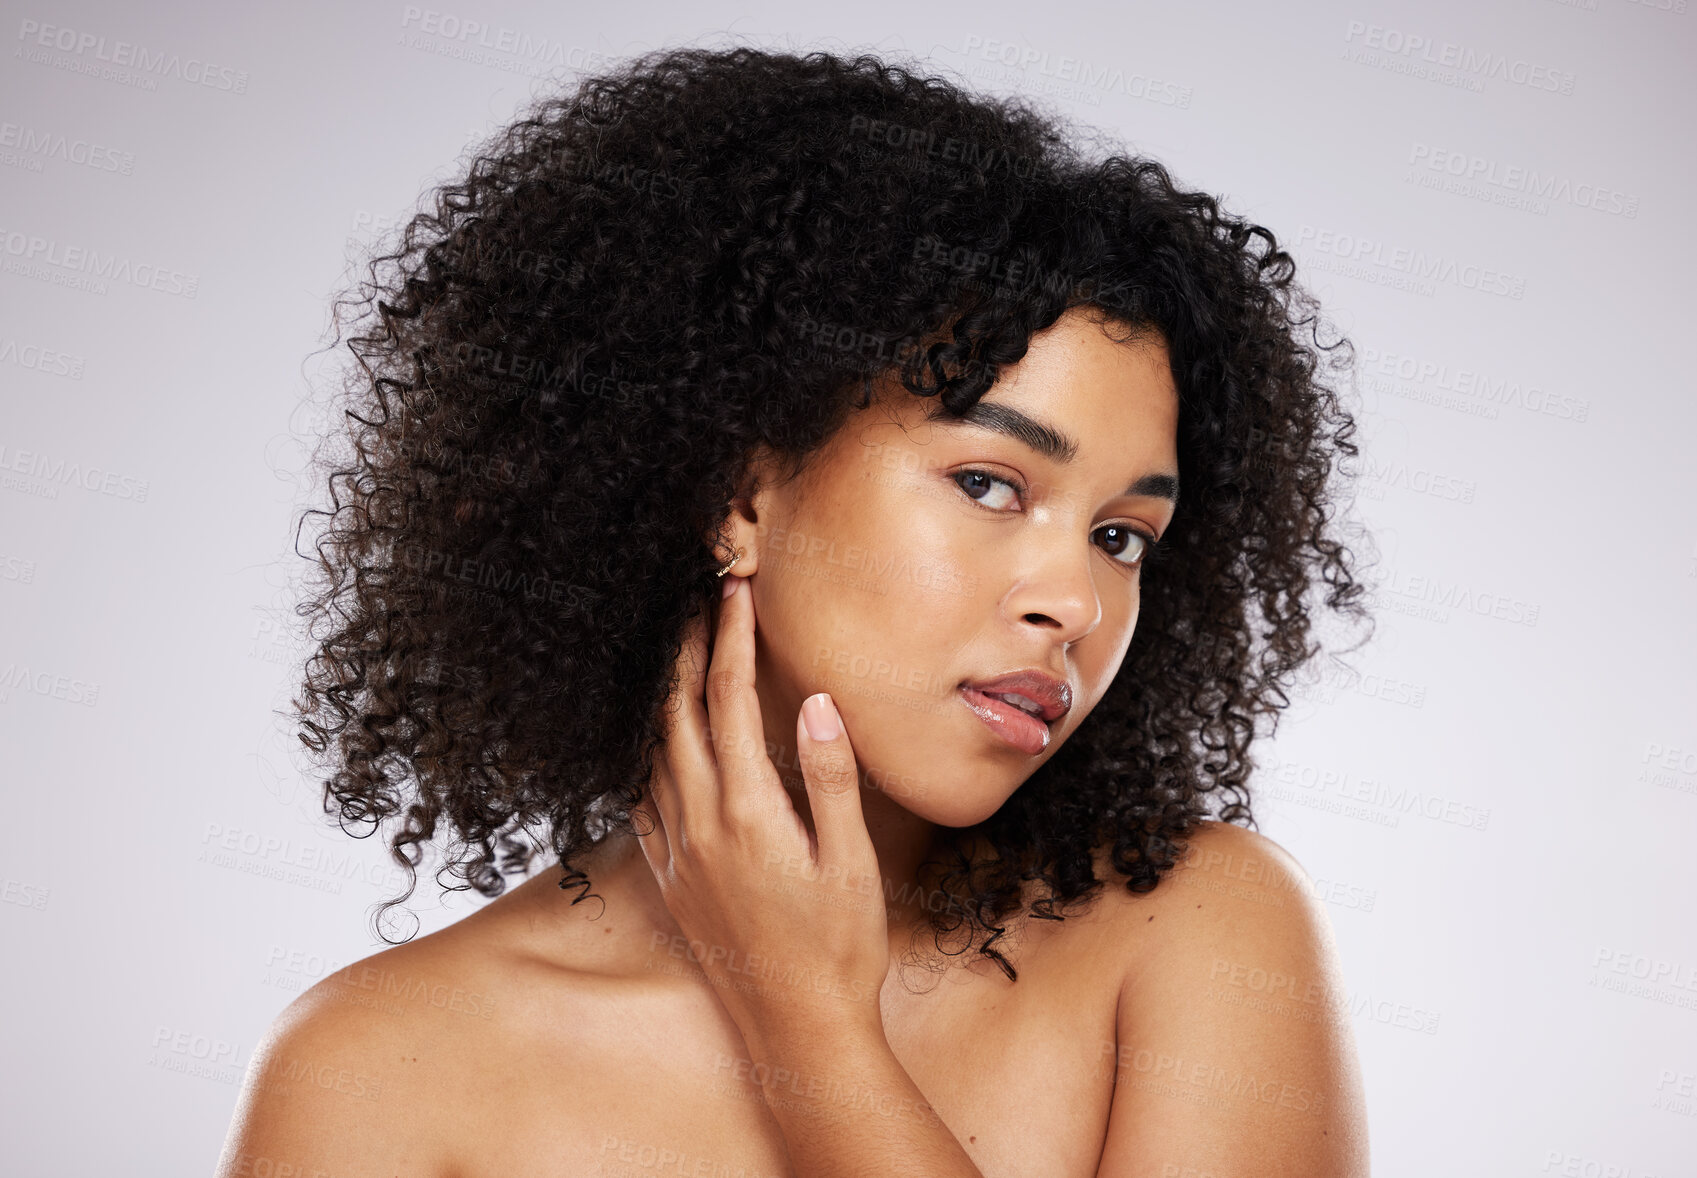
731 565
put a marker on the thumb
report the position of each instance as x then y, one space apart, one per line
833 783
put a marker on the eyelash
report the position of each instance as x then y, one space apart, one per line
1150 543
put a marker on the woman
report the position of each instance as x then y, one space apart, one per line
946 410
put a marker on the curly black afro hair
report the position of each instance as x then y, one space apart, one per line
564 365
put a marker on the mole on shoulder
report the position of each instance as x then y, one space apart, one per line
1151 917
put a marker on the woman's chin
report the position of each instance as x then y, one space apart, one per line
966 808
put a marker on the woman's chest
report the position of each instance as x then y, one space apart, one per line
662 1084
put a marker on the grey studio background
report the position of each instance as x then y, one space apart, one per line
1492 201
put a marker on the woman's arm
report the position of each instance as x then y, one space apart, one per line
846 1105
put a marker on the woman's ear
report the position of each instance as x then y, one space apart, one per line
748 517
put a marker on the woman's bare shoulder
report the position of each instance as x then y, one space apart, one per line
352 1075
1222 854
335 1083
1226 852
1232 890
1231 976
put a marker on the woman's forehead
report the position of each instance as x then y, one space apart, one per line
1070 386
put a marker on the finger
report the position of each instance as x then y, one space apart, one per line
833 785
686 756
748 785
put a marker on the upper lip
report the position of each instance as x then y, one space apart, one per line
1053 695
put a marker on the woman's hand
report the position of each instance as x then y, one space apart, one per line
790 931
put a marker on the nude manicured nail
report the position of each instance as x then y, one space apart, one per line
819 713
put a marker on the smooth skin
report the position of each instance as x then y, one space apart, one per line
1191 1032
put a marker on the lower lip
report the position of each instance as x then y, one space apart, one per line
1022 730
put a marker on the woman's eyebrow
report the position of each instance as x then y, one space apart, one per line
1045 439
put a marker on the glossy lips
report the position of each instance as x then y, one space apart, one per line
1027 732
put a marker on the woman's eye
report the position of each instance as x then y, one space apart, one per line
980 486
1126 539
975 484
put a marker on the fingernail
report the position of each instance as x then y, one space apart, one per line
730 586
820 716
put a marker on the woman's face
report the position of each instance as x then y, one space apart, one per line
915 556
